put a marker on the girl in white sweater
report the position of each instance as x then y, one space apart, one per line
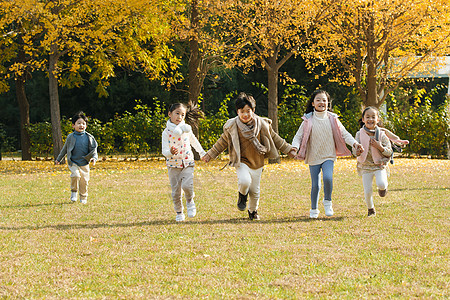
320 138
177 139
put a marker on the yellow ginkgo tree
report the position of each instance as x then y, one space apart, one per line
273 32
68 38
379 42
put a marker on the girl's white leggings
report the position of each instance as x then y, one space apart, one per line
381 181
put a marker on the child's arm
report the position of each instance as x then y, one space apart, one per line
196 144
166 151
357 150
297 140
219 147
280 143
94 145
348 138
62 153
384 146
394 138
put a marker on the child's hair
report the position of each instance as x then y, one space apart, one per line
309 105
243 99
79 115
193 113
177 105
361 123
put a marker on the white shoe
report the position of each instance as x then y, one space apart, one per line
83 201
314 213
191 210
180 217
328 208
73 196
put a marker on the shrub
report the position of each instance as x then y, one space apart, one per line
211 127
426 128
138 133
6 142
290 111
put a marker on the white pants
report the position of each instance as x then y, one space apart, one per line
181 180
79 180
248 183
381 181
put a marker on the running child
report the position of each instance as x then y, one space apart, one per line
177 139
374 157
320 138
249 140
81 149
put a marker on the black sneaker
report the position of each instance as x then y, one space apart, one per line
253 215
371 212
242 202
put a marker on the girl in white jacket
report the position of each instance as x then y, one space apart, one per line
177 139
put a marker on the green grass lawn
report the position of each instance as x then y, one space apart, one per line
126 244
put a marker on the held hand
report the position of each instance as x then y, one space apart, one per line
206 158
401 142
359 148
292 153
173 150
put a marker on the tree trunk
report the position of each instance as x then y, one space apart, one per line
371 80
194 68
273 98
24 109
272 75
54 104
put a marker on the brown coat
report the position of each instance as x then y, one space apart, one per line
230 139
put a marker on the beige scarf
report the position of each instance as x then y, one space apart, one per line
250 131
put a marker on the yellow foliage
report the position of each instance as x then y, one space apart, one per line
80 30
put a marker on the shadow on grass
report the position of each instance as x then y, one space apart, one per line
36 205
420 189
170 222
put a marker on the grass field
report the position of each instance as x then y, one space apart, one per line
125 243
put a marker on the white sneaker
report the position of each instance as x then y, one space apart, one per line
180 217
191 210
328 208
314 213
73 196
83 201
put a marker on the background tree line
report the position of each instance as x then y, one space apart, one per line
100 56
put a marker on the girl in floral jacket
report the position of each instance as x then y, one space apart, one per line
177 139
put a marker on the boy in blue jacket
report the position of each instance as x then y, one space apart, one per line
81 149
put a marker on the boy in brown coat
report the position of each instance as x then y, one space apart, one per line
249 140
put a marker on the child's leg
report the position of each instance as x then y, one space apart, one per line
74 177
315 184
367 179
254 190
244 178
175 183
84 181
327 171
187 182
381 179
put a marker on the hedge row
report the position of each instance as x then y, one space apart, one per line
139 133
